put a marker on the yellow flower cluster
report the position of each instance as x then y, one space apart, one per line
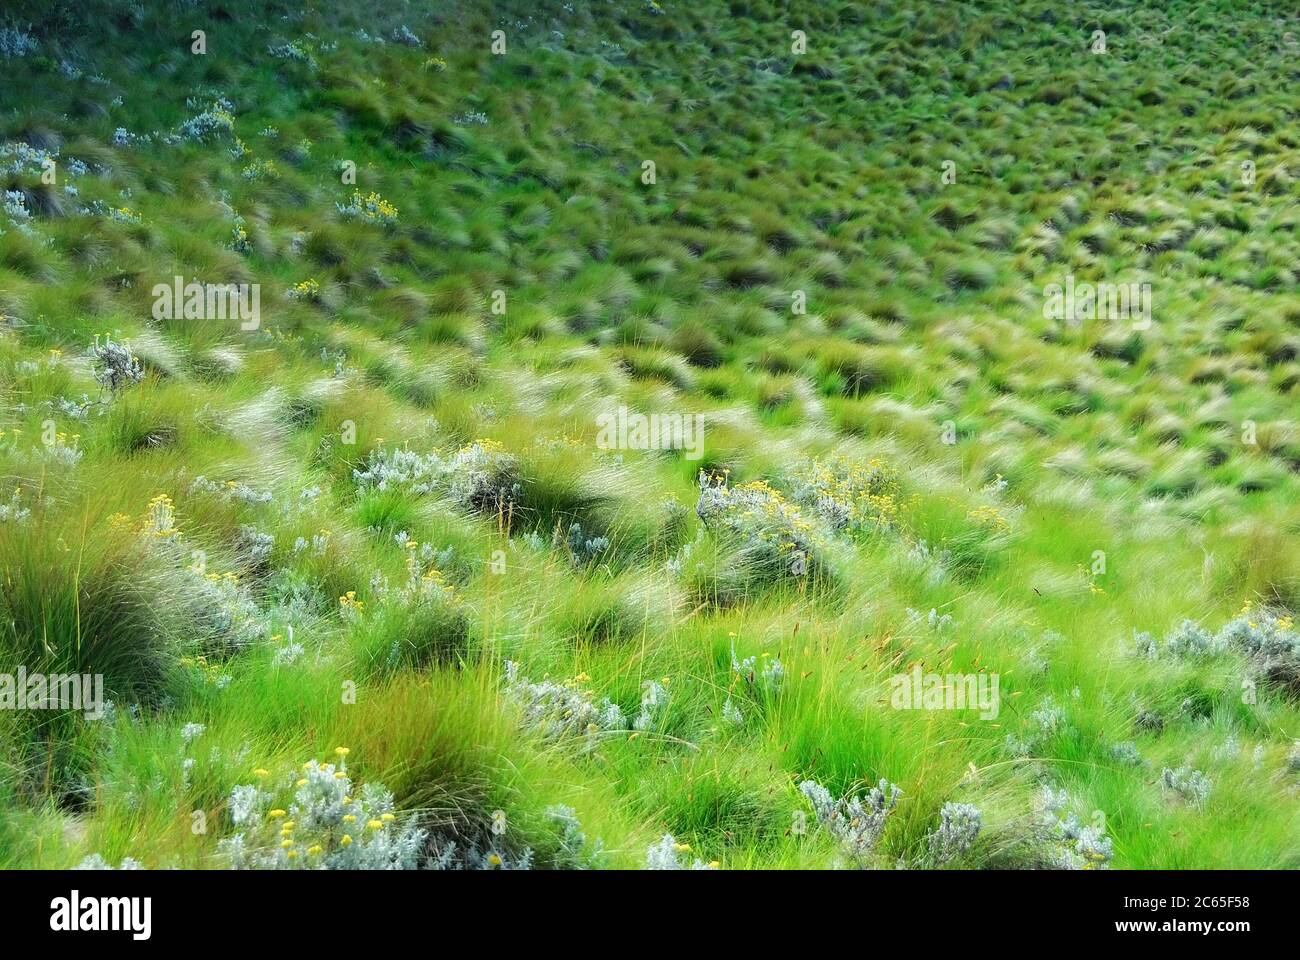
991 517
370 207
210 672
160 520
320 840
767 507
61 439
487 446
308 289
260 170
850 493
432 579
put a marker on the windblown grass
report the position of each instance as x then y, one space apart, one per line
392 485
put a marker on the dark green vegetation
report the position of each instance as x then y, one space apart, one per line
1103 479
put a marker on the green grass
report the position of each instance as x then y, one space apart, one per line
799 274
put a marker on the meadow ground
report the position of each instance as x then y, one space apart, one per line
934 567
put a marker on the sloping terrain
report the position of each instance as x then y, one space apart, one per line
376 526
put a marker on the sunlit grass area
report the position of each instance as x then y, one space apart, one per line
366 582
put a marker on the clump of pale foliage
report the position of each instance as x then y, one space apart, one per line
340 523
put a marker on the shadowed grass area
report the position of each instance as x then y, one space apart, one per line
382 526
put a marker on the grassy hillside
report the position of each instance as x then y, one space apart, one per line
365 566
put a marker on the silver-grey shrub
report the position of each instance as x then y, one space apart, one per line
959 825
559 710
1190 785
480 476
114 365
665 854
856 823
1192 641
777 540
331 828
1065 842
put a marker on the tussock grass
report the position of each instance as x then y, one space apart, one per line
817 297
